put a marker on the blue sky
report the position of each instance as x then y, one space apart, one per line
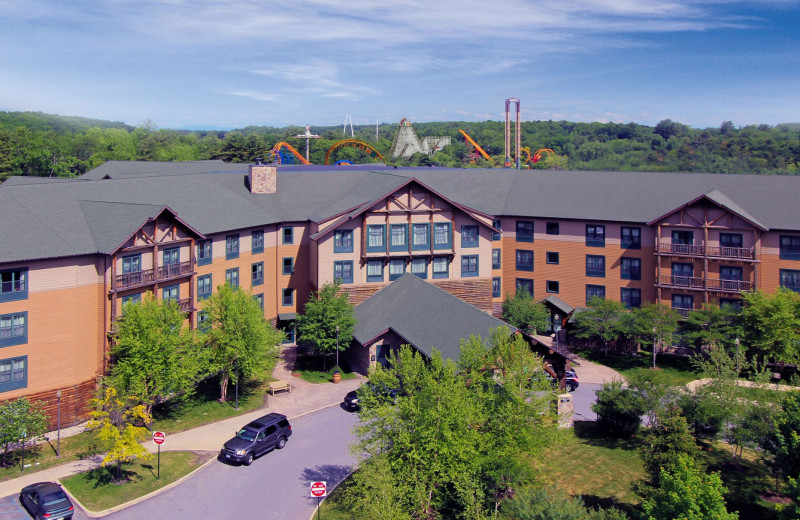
221 64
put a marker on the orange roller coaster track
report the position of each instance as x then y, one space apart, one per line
283 144
538 155
364 147
476 145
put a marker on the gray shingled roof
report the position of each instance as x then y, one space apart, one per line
46 218
424 315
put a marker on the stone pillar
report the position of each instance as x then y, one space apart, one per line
565 411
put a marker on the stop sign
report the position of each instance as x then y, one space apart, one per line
319 489
158 437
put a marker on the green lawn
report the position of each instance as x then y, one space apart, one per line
43 456
676 370
318 369
97 491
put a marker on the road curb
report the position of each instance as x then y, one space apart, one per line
120 507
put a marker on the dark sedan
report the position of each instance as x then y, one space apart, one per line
46 501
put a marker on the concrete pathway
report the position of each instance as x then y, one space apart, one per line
303 399
594 373
697 383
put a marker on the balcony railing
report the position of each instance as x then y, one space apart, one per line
148 276
683 312
691 282
185 304
734 286
733 253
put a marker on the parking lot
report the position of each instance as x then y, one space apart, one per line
11 509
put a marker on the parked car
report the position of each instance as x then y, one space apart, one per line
571 380
351 400
257 437
46 501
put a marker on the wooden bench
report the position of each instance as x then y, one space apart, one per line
276 386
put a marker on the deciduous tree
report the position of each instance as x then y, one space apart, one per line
523 312
603 319
239 342
21 421
324 311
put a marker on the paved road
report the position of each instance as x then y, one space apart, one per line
275 486
582 400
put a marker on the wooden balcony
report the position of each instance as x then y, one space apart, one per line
150 276
186 305
685 282
731 286
727 253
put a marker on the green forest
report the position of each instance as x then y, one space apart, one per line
38 144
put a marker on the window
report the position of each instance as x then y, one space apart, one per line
498 225
441 267
203 322
288 235
595 235
469 265
682 274
630 297
399 237
171 260
419 267
258 241
595 291
343 271
420 238
287 297
203 287
343 241
552 286
13 329
231 247
232 277
524 231
595 266
397 266
171 293
469 236
203 252
259 298
790 279
631 269
13 373
552 228
682 301
496 287
288 265
731 302
441 235
130 299
683 237
733 240
552 257
790 247
525 284
374 270
13 285
131 264
524 260
376 239
730 272
257 271
631 238
496 259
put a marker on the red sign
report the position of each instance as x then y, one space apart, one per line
158 437
319 489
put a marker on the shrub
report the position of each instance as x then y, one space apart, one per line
618 409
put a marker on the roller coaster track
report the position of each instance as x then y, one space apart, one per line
276 149
364 147
477 146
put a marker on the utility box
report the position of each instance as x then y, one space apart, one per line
565 411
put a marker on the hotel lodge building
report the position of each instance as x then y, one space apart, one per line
74 252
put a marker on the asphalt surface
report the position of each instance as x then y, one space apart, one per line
276 486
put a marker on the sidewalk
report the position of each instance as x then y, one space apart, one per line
303 399
594 373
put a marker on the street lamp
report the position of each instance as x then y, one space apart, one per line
737 356
337 347
58 442
655 339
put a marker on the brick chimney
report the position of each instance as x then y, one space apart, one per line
263 178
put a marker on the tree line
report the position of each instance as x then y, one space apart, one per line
37 144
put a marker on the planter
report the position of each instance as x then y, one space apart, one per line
337 376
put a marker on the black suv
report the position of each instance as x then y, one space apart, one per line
257 438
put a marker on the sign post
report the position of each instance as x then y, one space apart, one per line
319 490
158 438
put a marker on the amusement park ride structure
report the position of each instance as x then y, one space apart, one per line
307 136
507 164
406 142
